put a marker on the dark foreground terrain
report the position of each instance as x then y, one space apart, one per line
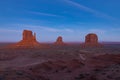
70 62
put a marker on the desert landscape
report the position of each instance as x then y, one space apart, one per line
31 60
59 39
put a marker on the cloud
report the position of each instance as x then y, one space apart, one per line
115 29
9 30
90 10
69 30
55 30
44 28
44 14
98 31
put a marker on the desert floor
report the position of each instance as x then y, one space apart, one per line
70 62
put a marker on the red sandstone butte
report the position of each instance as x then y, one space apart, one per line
28 40
59 41
91 40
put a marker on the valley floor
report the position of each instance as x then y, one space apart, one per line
71 62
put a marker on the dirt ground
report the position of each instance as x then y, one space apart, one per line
69 62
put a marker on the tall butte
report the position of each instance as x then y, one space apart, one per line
59 41
28 40
91 40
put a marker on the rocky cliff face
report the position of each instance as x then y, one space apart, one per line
28 39
91 40
28 36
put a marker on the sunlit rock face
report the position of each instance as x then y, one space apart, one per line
28 40
91 40
28 36
59 41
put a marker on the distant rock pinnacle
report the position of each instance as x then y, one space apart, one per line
59 41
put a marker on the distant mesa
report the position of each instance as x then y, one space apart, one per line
91 40
28 40
59 41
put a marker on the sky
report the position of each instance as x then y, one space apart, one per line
71 19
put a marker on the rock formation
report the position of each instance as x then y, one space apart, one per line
59 41
28 40
28 36
91 40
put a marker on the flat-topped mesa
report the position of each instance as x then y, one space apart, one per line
59 41
28 40
91 40
28 36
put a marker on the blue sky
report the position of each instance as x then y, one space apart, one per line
72 19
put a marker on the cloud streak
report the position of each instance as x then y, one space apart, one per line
115 29
44 28
99 31
44 14
87 9
8 30
56 30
